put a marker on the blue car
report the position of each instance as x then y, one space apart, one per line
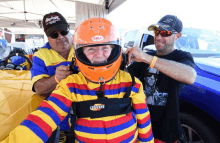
199 102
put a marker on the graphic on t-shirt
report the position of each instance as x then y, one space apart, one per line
153 95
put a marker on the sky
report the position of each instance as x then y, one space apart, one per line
193 13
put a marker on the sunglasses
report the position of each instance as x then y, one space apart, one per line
164 33
55 35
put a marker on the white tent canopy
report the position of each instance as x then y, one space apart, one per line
29 13
25 16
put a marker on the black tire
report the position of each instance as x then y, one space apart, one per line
200 132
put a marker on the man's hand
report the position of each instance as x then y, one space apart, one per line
135 54
62 72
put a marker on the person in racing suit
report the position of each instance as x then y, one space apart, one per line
99 82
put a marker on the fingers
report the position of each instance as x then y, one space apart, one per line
135 54
130 54
67 73
63 68
62 72
128 50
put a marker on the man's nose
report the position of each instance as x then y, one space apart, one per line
158 36
99 52
60 36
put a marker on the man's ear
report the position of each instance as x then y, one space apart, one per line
178 35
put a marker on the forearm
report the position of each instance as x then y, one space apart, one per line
45 86
175 70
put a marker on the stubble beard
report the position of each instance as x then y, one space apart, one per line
167 48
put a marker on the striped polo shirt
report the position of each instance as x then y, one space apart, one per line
45 62
133 127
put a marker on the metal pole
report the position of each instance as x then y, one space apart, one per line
3 32
24 12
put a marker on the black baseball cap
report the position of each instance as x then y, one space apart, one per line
54 21
168 23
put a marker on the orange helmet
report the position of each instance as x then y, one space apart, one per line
96 32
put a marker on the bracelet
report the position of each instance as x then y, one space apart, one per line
153 62
56 79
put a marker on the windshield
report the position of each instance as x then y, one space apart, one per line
21 45
199 42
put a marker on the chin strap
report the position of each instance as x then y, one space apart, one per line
73 65
124 61
100 93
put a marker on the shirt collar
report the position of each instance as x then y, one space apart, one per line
47 45
71 53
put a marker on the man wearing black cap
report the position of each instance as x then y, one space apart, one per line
53 59
164 73
51 63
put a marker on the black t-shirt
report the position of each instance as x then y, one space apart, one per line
162 93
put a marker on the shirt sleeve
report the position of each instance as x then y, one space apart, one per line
39 69
145 134
186 58
39 125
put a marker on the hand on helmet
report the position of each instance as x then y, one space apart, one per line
62 72
135 54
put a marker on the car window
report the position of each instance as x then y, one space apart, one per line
147 40
199 42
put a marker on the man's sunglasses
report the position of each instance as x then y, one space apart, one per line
164 33
55 35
